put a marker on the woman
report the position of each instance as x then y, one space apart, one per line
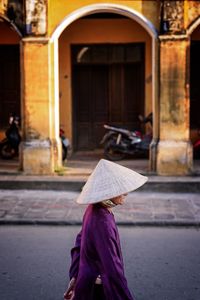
97 271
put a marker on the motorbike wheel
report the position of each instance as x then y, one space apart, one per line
112 154
7 152
64 153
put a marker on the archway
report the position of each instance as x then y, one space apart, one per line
194 33
9 80
9 71
131 15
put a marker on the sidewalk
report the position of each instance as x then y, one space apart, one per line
60 208
50 199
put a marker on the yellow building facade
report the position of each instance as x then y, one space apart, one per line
85 63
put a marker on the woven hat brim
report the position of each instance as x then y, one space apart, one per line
83 199
109 180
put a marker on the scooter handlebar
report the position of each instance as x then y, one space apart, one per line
120 130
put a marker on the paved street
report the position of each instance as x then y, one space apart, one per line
59 207
160 263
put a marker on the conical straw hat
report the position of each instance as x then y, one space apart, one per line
109 180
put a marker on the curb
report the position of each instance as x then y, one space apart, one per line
160 223
172 186
168 186
74 186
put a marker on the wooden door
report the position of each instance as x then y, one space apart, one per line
91 108
105 91
9 82
126 95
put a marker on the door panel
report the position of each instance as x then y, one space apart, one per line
99 93
83 138
99 103
91 105
133 95
82 94
116 94
106 91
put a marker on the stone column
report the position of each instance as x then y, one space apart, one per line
155 108
41 144
175 155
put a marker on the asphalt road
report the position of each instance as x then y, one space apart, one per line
160 263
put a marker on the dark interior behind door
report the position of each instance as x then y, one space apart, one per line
9 82
194 84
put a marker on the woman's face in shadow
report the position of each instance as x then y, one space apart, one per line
119 200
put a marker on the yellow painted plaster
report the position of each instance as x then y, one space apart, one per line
58 10
174 91
36 90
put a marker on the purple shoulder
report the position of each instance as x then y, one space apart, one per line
97 211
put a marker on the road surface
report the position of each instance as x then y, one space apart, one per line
160 263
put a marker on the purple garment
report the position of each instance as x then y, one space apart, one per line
97 252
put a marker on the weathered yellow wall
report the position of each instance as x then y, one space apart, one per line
174 111
3 6
191 11
38 156
98 31
36 108
58 10
174 150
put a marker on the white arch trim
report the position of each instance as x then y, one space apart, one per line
193 26
11 24
105 7
131 14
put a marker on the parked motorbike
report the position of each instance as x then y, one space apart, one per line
65 144
9 146
119 142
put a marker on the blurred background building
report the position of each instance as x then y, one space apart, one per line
77 65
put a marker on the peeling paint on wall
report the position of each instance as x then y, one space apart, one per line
193 11
36 17
174 14
37 143
3 6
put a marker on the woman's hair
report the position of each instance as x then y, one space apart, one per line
108 203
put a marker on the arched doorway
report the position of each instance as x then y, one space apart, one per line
108 76
194 75
67 79
194 32
9 72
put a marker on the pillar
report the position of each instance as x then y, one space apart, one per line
40 148
175 156
155 107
